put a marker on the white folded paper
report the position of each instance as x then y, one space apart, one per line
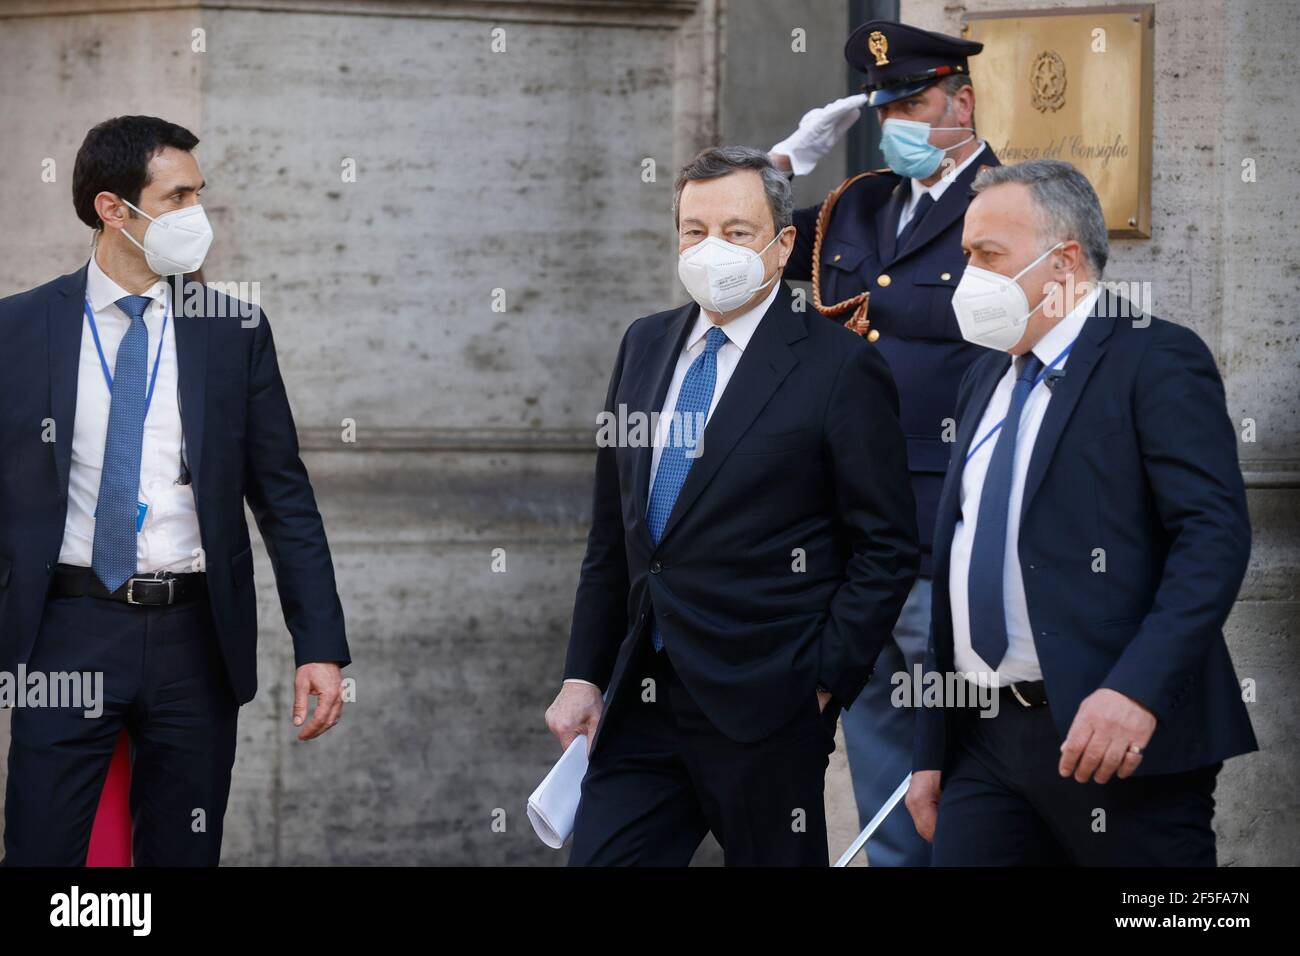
554 804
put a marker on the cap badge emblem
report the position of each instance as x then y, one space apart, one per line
878 46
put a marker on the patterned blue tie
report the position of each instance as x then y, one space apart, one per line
988 618
113 557
676 458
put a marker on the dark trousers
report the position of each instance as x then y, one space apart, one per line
164 681
662 777
1005 804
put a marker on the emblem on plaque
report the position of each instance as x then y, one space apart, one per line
1047 82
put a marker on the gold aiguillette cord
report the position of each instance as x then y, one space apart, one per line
858 321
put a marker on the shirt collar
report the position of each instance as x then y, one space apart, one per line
919 188
739 329
103 291
1067 330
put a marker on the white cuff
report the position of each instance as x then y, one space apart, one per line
802 159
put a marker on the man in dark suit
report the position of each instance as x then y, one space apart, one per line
732 589
1092 535
137 415
895 234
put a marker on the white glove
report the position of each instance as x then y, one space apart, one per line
819 131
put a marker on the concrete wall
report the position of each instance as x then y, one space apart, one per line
522 171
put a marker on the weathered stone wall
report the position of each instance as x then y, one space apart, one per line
483 175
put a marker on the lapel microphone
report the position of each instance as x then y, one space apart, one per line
1052 377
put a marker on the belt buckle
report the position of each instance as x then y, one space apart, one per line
171 588
1015 693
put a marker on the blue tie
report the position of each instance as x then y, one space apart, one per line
113 556
692 410
988 618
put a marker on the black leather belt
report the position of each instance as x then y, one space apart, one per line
157 590
1032 693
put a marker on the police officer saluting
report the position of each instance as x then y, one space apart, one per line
884 255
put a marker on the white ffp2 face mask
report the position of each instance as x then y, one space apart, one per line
176 242
992 308
721 275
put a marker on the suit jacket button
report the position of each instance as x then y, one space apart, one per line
655 567
946 276
883 281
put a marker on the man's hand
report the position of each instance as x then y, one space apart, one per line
575 710
823 698
324 681
922 802
1100 737
818 132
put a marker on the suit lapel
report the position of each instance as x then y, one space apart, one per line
1087 351
65 321
950 499
766 361
191 368
651 388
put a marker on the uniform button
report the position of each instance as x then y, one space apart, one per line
873 335
655 567
883 281
837 258
946 276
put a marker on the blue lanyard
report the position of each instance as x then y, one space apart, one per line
1041 375
103 362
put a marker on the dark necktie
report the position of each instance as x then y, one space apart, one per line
922 207
985 597
114 550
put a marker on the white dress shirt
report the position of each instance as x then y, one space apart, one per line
739 330
1021 660
919 188
169 540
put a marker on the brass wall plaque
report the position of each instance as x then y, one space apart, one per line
1075 86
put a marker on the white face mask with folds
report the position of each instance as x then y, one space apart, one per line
722 276
991 308
176 242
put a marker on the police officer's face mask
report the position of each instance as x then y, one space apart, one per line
991 308
721 275
908 150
